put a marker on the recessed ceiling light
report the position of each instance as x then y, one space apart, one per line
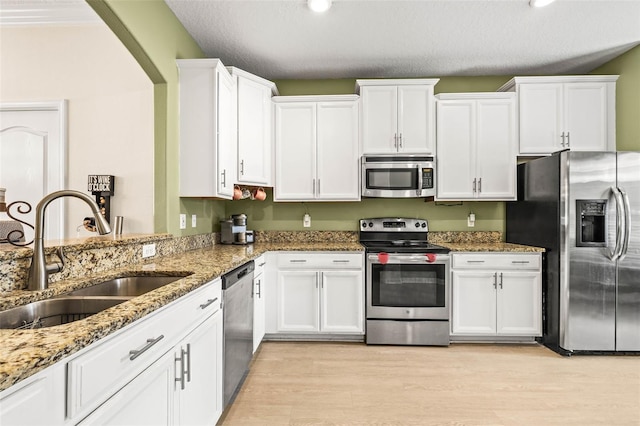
319 6
540 3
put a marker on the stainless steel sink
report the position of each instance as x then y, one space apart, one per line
126 286
56 311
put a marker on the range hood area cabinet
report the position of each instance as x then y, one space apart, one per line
476 146
317 148
208 148
254 127
565 112
398 116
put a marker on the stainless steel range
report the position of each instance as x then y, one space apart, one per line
407 283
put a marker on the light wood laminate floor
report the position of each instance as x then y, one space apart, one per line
298 383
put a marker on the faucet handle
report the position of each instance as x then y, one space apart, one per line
54 267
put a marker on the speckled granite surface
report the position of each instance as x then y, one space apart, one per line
25 352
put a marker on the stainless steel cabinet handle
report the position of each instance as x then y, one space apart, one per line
242 167
224 177
208 302
480 185
258 288
188 370
318 186
400 144
520 261
150 342
568 140
495 280
474 185
297 260
500 279
181 378
475 261
562 136
395 140
341 261
262 264
313 183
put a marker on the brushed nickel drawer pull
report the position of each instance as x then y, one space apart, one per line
475 261
150 342
298 260
341 261
209 302
520 261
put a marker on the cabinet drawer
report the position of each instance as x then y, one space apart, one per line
305 260
260 264
495 261
109 364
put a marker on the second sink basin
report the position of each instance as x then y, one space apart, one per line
126 286
56 311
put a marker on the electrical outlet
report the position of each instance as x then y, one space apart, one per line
306 221
193 220
183 221
471 220
148 250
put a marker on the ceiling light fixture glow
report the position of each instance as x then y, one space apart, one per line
319 6
540 3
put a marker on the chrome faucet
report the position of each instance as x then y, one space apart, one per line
39 270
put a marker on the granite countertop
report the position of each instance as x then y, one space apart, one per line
25 352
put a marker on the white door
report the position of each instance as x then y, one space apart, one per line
342 302
495 148
298 304
337 151
456 149
146 400
519 304
295 133
200 402
379 119
227 141
254 128
473 307
585 113
416 120
541 123
33 160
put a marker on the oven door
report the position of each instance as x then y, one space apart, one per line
407 286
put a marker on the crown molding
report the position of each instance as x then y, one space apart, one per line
46 12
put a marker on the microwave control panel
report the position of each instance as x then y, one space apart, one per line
427 178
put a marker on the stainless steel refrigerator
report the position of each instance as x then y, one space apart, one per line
584 208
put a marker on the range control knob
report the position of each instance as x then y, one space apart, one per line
424 224
417 225
370 224
364 224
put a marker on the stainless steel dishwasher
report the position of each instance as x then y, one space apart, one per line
237 299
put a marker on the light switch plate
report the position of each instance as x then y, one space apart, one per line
306 221
194 220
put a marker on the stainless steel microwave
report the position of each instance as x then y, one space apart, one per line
398 176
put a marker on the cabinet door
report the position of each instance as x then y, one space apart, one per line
540 118
295 133
342 302
298 301
416 131
337 152
146 400
254 133
495 148
226 136
519 303
456 149
379 119
200 402
473 303
259 310
585 113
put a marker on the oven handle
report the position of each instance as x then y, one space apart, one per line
408 258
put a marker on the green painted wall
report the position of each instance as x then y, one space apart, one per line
154 36
627 66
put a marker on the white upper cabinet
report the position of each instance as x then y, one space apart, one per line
317 151
254 129
208 147
568 112
476 146
397 116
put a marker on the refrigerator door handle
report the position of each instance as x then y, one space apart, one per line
627 223
620 225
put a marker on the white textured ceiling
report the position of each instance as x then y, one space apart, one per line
283 39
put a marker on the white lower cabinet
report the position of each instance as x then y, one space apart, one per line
165 369
319 293
496 294
259 301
